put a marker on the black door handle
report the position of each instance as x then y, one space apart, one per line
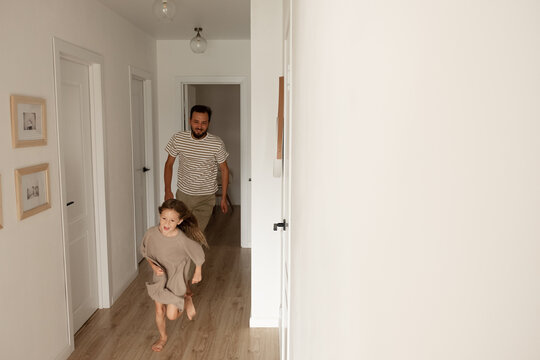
145 169
281 225
70 203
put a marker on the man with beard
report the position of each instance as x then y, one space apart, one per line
199 154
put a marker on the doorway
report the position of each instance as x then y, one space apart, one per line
227 96
82 177
224 100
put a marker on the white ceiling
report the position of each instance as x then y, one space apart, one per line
220 19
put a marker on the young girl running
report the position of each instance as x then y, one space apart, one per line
169 249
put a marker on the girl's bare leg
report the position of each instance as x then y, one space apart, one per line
188 300
161 325
190 308
172 312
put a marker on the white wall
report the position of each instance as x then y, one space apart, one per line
223 58
266 58
415 182
225 103
33 307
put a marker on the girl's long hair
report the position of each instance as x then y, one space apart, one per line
189 225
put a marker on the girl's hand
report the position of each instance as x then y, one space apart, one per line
157 270
197 277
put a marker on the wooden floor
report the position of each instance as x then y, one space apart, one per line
221 329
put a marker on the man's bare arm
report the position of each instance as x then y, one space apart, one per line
224 185
167 176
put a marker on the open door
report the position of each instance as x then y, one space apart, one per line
284 151
189 93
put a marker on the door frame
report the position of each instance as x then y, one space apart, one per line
245 139
151 219
65 50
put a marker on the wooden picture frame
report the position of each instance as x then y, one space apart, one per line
28 121
33 190
280 119
1 217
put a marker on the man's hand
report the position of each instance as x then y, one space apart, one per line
224 206
168 195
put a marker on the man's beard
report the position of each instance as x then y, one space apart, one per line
198 136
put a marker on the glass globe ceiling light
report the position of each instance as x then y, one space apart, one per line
198 43
164 9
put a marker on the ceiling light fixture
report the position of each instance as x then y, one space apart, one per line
164 9
198 43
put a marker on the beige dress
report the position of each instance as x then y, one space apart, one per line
173 255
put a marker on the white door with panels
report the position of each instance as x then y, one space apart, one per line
140 168
78 188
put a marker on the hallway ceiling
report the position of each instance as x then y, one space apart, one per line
220 19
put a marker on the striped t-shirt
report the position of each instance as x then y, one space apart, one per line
198 162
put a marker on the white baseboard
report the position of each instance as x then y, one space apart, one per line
123 288
66 351
263 322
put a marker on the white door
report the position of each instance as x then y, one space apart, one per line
140 168
190 99
77 188
286 205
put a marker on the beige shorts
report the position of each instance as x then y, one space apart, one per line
200 205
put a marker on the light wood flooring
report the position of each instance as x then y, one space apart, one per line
221 328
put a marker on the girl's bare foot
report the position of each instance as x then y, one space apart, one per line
189 307
158 345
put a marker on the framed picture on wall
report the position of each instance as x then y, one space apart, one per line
32 189
1 217
28 121
280 120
